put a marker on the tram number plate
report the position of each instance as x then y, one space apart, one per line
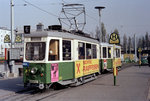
33 81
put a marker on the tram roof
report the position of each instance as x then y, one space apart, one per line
65 35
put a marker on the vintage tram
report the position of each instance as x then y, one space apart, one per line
110 55
54 56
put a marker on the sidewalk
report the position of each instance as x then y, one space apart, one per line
4 69
132 85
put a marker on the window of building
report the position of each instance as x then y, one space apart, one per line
109 52
104 52
94 51
53 50
81 50
88 51
66 50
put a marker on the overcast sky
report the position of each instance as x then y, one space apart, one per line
128 16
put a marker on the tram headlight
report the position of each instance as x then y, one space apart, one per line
33 70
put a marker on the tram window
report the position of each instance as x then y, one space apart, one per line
35 51
81 50
117 53
66 50
94 51
88 51
54 50
109 52
104 52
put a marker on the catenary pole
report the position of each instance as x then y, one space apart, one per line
99 11
12 32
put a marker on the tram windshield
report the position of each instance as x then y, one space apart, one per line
35 51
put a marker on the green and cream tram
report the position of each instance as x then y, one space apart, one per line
59 57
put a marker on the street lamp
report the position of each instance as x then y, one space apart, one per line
99 10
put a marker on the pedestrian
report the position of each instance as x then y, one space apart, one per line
148 58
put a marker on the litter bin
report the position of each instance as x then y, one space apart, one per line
20 71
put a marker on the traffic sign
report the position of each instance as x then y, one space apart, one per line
114 39
7 39
18 39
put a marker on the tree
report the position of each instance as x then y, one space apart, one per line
147 40
103 30
98 35
107 38
143 43
116 31
92 34
125 43
129 44
139 43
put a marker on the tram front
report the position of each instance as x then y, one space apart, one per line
34 65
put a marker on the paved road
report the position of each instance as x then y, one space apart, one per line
132 85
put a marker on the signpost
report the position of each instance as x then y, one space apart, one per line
114 39
139 50
15 54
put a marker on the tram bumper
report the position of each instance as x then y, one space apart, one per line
34 83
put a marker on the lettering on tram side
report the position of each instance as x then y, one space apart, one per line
54 72
78 68
86 67
90 66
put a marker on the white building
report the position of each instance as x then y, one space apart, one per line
19 41
3 33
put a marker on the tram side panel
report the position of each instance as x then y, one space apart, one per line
66 70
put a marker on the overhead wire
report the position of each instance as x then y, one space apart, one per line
44 10
35 6
40 8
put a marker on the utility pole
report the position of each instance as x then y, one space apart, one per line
99 10
11 63
135 48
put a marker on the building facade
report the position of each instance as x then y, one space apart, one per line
19 41
4 40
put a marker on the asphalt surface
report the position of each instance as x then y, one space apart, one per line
132 85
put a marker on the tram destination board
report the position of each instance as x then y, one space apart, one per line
14 54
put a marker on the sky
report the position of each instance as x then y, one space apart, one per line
128 16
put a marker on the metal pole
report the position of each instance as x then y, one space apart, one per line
12 32
135 48
99 10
